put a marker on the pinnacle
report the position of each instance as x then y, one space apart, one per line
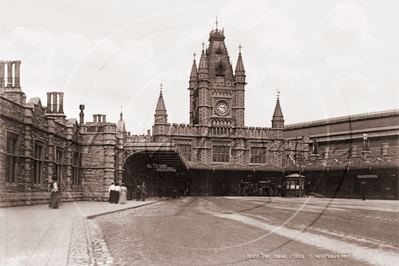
161 103
277 110
194 74
202 64
240 70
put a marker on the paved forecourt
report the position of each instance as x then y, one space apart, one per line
38 235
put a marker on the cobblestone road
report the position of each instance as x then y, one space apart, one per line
87 245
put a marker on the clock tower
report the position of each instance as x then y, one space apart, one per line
216 93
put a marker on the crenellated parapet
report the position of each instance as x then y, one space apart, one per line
139 139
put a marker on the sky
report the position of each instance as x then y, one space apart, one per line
327 58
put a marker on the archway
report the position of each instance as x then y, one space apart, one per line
162 171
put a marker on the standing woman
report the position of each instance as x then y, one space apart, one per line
122 194
55 194
117 190
111 192
143 191
138 193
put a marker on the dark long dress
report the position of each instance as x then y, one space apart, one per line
111 196
55 197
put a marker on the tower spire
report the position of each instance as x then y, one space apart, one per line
120 125
194 72
161 116
203 66
278 118
240 70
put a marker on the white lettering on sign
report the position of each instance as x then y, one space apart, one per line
161 167
168 169
367 176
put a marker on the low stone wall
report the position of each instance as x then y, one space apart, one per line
35 198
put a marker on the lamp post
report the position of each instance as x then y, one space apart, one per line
299 158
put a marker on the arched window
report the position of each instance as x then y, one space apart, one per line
220 70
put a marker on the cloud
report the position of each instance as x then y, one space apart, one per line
93 72
346 29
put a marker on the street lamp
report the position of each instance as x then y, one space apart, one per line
299 158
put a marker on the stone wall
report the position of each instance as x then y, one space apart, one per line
32 125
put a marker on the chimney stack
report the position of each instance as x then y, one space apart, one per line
2 72
61 102
17 69
9 74
49 102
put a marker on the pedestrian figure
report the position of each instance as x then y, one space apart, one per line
363 189
117 190
143 191
307 189
122 194
111 192
283 190
129 192
55 194
138 193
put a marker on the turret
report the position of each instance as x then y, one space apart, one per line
161 117
239 80
204 111
193 84
240 70
120 126
203 73
278 118
193 75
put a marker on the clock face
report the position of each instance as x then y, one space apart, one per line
222 107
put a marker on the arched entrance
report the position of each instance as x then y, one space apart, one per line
162 171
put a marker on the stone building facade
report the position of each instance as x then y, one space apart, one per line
211 155
216 134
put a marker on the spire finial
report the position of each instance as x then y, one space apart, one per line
278 93
216 23
121 112
161 87
194 56
203 44
239 48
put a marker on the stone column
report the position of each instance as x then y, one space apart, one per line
55 103
61 105
384 150
353 150
9 74
94 118
17 83
104 118
68 160
326 152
